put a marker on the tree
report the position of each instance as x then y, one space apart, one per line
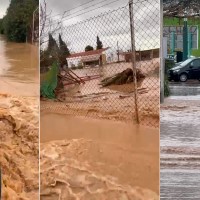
89 48
1 27
52 48
50 54
99 43
176 8
18 19
63 51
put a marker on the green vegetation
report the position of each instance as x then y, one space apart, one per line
1 26
49 83
99 43
194 21
89 48
63 51
53 52
166 88
168 65
18 20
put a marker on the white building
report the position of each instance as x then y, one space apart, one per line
95 57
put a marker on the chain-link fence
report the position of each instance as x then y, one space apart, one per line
112 68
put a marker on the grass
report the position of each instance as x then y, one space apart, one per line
195 21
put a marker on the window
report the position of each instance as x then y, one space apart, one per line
196 64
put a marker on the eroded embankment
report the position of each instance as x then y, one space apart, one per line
19 147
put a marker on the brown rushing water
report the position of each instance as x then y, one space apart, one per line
83 158
19 89
19 147
18 68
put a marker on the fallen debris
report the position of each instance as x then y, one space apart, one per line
123 77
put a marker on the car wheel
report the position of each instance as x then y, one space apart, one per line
183 77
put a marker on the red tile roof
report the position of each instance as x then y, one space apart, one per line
88 53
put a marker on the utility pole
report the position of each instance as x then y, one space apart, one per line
162 59
33 25
118 50
185 38
133 58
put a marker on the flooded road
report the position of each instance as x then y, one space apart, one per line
190 88
18 68
180 144
97 154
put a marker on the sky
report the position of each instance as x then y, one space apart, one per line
3 7
63 5
112 28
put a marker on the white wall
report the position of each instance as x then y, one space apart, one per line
111 56
73 61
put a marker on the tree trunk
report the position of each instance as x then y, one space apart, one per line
123 77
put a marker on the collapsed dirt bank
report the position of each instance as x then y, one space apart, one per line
87 159
114 103
19 147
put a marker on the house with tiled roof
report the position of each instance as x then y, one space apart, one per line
88 58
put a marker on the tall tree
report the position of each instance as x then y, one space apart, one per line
1 26
99 43
89 48
63 51
52 52
18 19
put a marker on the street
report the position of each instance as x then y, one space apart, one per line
180 142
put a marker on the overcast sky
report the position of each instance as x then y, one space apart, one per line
3 7
63 5
111 28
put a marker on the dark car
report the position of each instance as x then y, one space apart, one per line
189 69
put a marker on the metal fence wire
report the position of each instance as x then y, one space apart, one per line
112 70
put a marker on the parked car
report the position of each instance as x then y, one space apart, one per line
189 69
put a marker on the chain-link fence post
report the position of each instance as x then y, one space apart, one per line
133 58
162 71
34 25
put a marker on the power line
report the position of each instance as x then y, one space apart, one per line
86 9
64 19
90 11
73 8
93 9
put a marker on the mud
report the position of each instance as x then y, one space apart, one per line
19 147
83 158
116 102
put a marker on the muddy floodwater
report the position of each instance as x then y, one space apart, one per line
18 68
180 144
84 158
19 120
